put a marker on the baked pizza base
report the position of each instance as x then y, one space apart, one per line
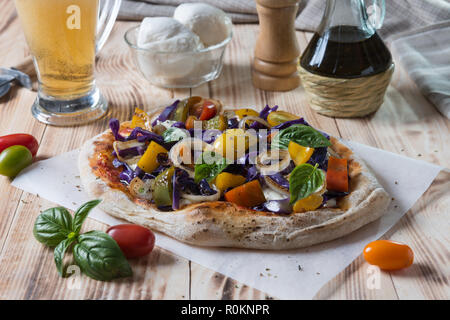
224 224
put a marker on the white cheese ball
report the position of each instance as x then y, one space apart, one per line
211 24
167 35
168 50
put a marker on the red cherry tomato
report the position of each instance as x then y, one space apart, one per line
190 122
388 255
209 110
19 139
134 241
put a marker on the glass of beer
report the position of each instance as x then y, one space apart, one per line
63 37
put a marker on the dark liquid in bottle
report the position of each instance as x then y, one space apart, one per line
346 52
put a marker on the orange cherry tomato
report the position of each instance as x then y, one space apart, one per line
388 255
209 110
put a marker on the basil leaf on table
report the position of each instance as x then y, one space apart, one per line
59 252
209 171
301 134
174 134
304 181
53 226
99 257
81 214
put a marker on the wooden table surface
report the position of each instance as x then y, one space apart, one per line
406 124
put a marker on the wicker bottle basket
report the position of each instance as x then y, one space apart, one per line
345 98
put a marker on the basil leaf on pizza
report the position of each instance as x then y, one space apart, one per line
301 134
304 181
209 166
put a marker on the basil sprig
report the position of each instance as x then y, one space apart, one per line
209 166
53 226
301 134
304 180
100 257
95 252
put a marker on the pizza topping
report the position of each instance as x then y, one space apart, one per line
182 111
209 110
141 119
209 165
299 153
280 206
185 152
245 120
304 181
337 174
166 113
129 151
312 202
268 161
278 184
278 117
141 189
272 161
226 180
302 134
175 134
114 125
234 143
162 188
201 198
266 111
242 113
149 161
249 194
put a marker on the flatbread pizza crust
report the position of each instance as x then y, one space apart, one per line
224 224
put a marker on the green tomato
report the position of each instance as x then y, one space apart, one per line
162 188
14 159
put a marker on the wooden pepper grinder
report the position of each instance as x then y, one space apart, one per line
277 51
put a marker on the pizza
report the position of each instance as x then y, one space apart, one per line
213 176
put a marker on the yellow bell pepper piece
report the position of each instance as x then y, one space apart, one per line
309 203
278 117
241 113
227 180
149 160
140 119
299 154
